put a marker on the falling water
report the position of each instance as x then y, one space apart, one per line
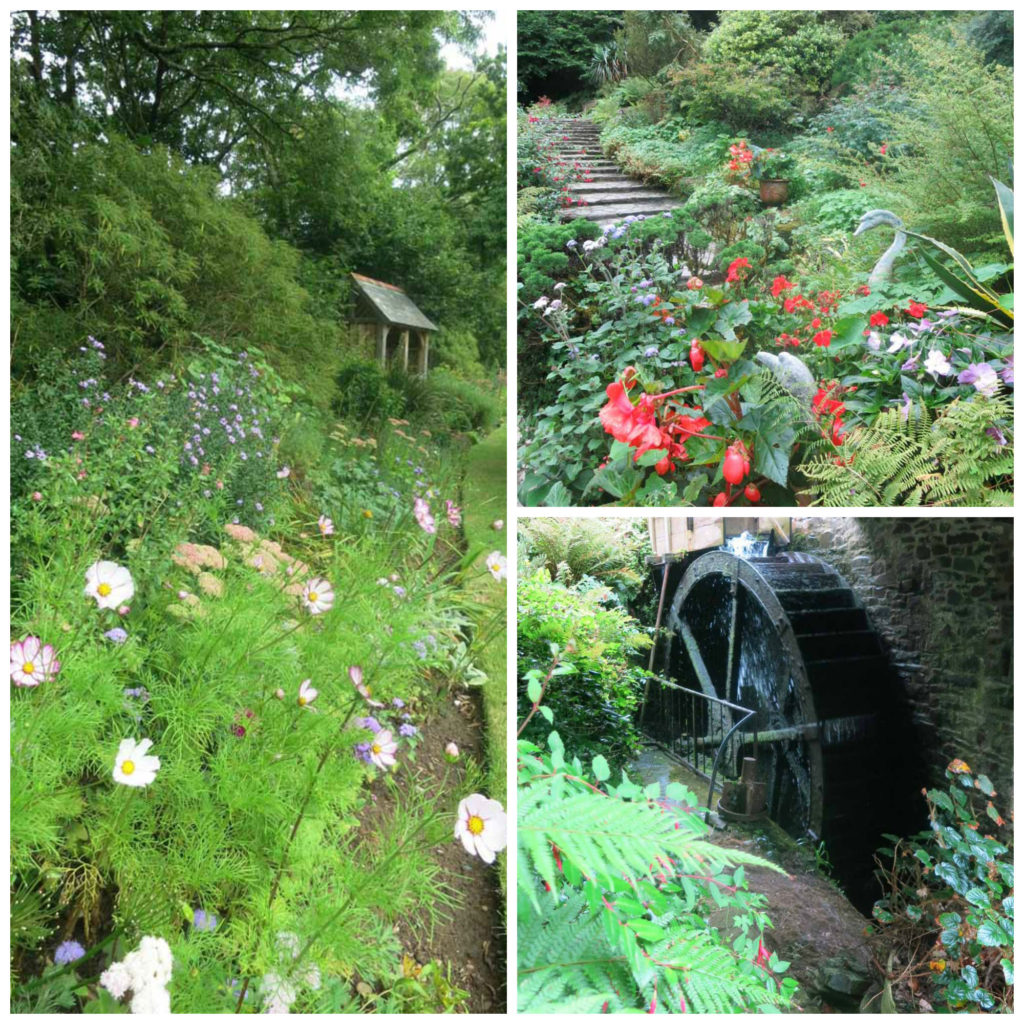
746 545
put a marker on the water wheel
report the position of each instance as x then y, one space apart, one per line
786 636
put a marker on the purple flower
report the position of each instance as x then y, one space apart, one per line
369 722
997 435
669 321
651 351
407 730
982 376
905 408
117 635
399 591
910 364
68 952
398 703
362 751
1007 372
201 920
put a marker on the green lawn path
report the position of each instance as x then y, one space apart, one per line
484 501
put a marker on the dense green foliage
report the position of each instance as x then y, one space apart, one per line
948 903
220 173
554 49
610 339
294 601
624 905
596 699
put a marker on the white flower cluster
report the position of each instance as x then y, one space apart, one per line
147 972
279 989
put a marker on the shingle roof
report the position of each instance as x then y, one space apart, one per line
393 305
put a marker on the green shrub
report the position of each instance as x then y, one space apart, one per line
464 406
858 62
364 394
950 898
757 100
141 251
608 550
799 43
594 703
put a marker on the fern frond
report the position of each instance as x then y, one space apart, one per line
919 460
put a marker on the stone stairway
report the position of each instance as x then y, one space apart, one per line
609 195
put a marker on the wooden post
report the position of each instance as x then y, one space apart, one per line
382 345
424 352
405 350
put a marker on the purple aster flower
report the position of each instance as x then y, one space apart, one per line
362 751
407 730
202 921
669 321
398 703
651 351
399 591
117 635
369 722
68 952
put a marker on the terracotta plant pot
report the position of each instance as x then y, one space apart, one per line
774 190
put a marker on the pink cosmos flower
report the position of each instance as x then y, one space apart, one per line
421 510
32 662
306 693
77 435
133 423
326 526
453 512
481 826
382 750
318 596
355 673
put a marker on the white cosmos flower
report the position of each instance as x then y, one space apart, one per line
109 583
133 766
382 749
306 693
481 826
496 565
355 673
32 662
318 596
326 526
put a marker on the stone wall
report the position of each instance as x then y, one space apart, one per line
940 592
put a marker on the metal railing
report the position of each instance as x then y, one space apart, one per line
701 731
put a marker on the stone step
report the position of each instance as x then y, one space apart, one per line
612 213
620 196
621 186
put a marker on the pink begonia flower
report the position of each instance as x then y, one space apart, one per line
481 826
382 749
32 662
77 435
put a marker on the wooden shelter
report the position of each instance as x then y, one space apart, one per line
399 329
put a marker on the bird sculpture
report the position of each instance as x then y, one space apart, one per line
792 374
883 268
